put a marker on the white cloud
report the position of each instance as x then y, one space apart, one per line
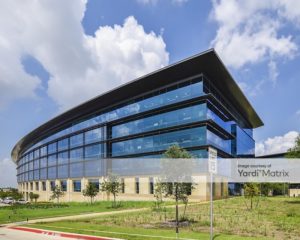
80 66
277 144
179 2
117 54
154 2
298 113
7 173
273 71
249 31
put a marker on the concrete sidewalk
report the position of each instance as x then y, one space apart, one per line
91 215
74 217
26 233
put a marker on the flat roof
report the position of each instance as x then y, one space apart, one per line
207 62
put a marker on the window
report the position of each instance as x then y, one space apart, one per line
151 185
36 164
52 185
36 174
77 186
95 182
52 148
52 160
76 170
76 140
63 158
63 185
52 172
63 144
43 162
30 165
93 152
163 120
44 186
31 186
93 135
63 171
137 186
76 155
43 151
43 173
37 188
30 175
122 185
185 138
37 153
93 168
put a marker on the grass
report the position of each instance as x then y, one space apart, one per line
35 211
273 218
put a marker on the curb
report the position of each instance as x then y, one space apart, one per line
61 234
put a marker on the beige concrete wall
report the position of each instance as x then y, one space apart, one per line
294 192
200 193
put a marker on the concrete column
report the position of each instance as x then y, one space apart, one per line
129 185
144 185
200 190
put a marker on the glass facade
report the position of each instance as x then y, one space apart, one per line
143 127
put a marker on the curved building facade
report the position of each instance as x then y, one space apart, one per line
194 103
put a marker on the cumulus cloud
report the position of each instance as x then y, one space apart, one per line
80 66
277 144
7 173
249 31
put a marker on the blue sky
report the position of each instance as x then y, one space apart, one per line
54 54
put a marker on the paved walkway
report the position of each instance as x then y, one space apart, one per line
73 217
90 215
12 234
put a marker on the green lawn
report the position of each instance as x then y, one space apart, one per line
15 214
273 218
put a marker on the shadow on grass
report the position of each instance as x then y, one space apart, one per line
216 236
293 202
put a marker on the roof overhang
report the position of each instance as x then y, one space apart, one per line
207 62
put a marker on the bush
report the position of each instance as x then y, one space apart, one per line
40 205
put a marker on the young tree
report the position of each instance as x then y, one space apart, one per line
251 190
158 194
15 194
294 152
177 182
36 197
57 193
31 196
112 185
90 191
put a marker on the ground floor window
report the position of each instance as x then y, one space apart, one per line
63 185
52 185
95 182
77 186
44 186
137 185
151 186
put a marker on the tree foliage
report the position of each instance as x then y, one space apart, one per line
294 152
33 196
90 191
251 190
112 185
57 193
177 182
